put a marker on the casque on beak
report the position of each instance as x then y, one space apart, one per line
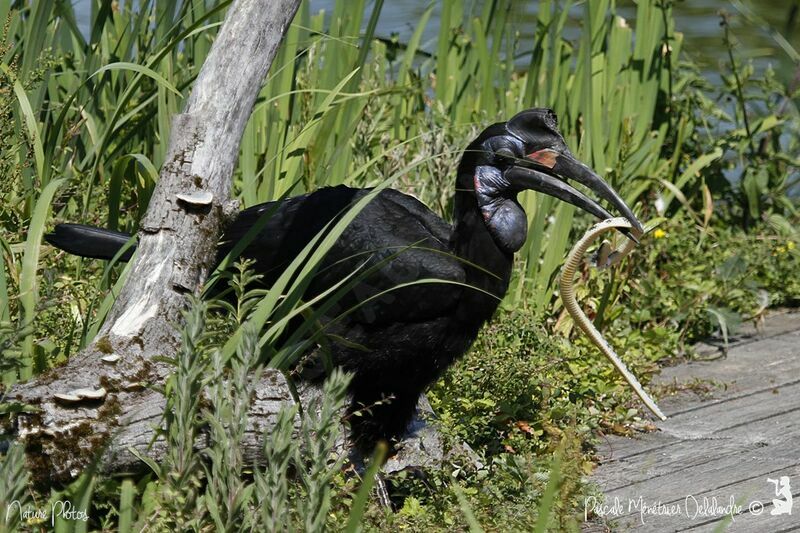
548 163
551 180
565 165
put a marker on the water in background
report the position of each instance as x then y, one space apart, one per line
697 19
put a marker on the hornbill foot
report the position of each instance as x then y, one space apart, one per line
382 491
381 488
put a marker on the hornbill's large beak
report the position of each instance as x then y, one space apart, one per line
549 168
522 178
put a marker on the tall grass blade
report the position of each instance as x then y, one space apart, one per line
368 481
549 496
30 265
126 507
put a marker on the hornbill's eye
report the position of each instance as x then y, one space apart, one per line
506 156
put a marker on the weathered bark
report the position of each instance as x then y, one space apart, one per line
103 398
104 402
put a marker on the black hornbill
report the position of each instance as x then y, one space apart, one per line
401 341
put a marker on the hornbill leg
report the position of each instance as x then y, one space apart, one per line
381 488
382 491
376 415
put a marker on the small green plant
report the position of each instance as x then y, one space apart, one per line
179 475
230 392
320 430
272 482
209 395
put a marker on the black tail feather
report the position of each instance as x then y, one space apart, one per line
89 241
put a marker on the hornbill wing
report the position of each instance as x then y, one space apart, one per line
289 226
395 241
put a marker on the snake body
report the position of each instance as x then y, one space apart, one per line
567 290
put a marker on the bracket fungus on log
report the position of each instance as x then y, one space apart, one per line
80 395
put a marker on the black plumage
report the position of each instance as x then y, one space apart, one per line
398 342
406 337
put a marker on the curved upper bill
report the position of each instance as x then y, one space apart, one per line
525 178
564 165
